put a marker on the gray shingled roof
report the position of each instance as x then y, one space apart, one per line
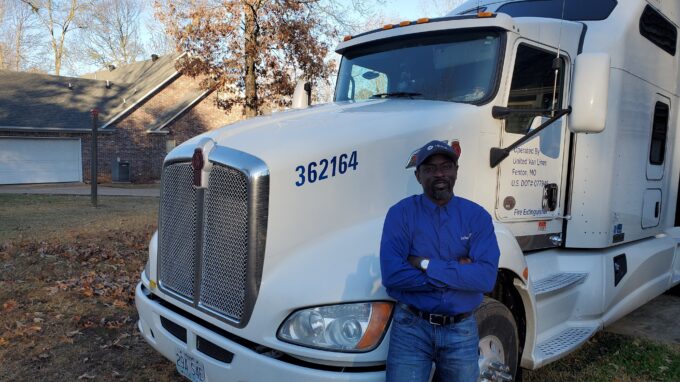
30 101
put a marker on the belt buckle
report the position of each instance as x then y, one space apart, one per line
437 319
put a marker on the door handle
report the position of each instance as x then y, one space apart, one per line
656 209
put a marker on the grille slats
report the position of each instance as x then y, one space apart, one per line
178 223
225 243
225 257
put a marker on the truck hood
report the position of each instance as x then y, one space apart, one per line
316 130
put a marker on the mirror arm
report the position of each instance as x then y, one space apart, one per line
497 154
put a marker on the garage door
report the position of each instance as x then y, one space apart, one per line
40 160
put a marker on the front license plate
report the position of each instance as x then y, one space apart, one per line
189 366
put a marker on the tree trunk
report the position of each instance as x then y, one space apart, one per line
17 45
57 62
250 37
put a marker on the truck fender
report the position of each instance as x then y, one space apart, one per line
512 260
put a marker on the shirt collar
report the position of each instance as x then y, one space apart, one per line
432 207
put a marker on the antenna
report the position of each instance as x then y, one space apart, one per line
557 63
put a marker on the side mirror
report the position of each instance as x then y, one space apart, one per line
590 93
302 97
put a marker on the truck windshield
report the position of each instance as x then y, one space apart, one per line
455 66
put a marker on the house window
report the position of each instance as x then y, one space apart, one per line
533 80
657 150
655 28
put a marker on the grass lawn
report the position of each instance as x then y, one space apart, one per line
47 216
67 278
612 357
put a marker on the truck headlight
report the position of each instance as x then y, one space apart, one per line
356 327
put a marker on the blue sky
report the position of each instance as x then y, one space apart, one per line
411 9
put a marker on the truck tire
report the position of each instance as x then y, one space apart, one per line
498 341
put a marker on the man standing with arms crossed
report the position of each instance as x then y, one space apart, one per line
438 255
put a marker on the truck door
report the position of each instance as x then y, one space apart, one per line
531 180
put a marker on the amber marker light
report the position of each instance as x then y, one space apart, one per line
380 316
404 23
525 274
152 284
347 38
422 20
388 26
485 14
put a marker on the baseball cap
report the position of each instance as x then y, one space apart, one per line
432 148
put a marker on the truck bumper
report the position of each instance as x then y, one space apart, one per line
246 365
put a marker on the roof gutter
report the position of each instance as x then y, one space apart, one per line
51 129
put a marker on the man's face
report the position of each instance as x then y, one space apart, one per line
438 175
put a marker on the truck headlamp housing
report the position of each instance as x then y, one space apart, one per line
356 327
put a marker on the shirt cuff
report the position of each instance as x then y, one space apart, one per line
437 272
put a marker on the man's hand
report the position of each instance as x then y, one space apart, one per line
415 261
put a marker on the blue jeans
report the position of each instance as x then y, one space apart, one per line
415 344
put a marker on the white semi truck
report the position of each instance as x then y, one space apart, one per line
265 266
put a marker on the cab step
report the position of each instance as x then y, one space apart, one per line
557 282
564 342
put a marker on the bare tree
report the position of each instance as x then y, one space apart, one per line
111 34
351 16
159 42
17 35
439 7
3 45
58 18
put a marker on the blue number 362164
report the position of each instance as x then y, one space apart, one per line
326 168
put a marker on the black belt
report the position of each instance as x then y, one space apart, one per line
437 319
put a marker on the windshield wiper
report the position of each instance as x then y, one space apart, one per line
396 95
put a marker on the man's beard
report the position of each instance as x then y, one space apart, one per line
442 195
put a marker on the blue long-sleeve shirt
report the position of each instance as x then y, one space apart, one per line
417 226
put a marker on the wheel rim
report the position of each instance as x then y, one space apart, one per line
490 350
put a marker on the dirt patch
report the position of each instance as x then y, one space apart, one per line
656 321
68 310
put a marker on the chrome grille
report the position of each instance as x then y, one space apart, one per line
225 242
178 227
212 240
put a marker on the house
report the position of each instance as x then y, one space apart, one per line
145 109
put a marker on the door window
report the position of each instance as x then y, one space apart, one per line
657 150
657 144
533 81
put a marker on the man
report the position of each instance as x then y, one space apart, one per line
438 255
